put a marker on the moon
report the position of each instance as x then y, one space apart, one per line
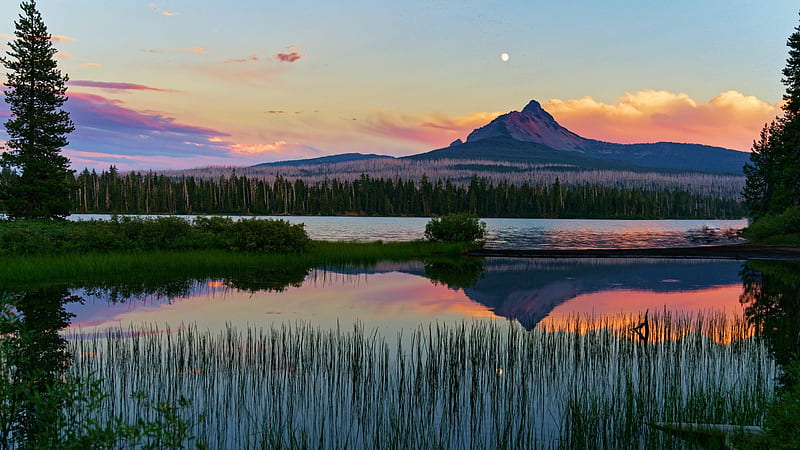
504 57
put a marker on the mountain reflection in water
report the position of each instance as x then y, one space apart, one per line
395 295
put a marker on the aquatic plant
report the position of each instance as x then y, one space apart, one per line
587 384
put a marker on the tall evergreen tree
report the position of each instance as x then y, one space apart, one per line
773 173
42 181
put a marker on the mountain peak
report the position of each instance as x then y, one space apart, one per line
533 107
532 124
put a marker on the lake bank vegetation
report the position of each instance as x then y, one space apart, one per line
127 233
780 228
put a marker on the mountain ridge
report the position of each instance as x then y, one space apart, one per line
510 137
534 136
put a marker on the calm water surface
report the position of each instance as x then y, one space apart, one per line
395 296
513 233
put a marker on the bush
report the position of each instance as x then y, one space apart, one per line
781 228
268 235
455 228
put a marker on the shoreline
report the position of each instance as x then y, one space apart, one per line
728 251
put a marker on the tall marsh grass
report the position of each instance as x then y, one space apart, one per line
465 385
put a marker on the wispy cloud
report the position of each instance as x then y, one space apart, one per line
157 9
116 86
241 60
434 130
64 56
277 150
61 39
731 119
276 111
109 132
198 50
57 38
91 65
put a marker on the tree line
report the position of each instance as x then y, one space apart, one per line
150 193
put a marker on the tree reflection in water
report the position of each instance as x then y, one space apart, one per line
772 300
33 361
772 304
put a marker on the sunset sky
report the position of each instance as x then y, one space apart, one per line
180 83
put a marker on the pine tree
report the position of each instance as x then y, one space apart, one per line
36 91
773 173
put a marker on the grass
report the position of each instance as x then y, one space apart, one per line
467 385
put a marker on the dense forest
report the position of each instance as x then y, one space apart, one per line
112 192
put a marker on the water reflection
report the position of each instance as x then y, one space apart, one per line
33 361
394 295
772 303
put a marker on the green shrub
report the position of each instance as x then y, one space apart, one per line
781 228
455 228
268 235
33 237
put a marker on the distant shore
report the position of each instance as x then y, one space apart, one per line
730 251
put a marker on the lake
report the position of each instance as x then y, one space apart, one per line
512 233
392 296
453 352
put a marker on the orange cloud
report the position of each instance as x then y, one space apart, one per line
277 150
61 38
198 50
91 65
63 55
434 130
168 14
731 119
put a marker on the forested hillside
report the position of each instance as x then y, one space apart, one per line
111 192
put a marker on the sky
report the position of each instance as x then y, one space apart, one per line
192 83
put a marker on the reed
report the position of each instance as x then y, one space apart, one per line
587 384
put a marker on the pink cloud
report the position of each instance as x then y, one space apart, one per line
168 14
114 86
63 55
288 57
276 151
433 130
91 65
731 119
98 112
